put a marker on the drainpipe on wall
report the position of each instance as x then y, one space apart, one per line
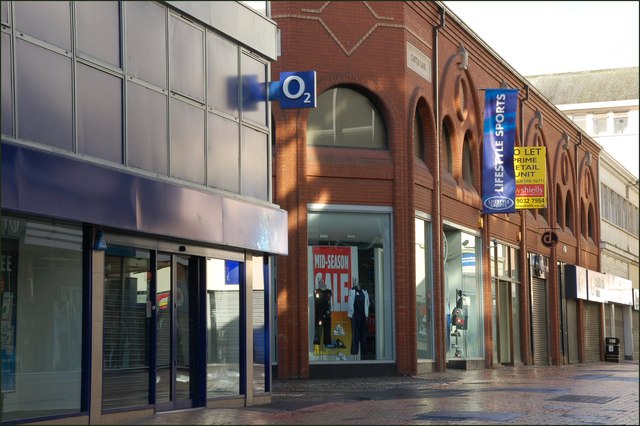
524 259
438 234
580 308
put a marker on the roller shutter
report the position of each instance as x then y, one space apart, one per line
539 321
592 332
572 331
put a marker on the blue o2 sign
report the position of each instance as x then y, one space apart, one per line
294 90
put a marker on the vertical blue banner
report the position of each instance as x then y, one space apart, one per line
498 176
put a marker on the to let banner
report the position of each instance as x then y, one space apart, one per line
531 177
498 177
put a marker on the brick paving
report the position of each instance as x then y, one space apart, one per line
578 394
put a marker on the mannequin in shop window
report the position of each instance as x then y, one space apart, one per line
358 312
458 321
322 297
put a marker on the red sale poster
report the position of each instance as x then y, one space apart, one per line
331 270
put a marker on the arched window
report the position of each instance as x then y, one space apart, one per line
467 163
446 162
583 219
559 212
568 212
346 118
591 223
418 137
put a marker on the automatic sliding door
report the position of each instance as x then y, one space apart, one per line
126 333
164 329
177 284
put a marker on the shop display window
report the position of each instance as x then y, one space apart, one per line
424 290
349 287
223 327
42 304
463 295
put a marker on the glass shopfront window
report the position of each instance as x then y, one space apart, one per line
463 294
41 286
349 285
223 327
505 295
424 290
260 335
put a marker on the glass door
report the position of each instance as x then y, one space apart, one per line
504 322
127 328
176 290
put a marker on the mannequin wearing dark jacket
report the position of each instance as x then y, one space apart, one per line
322 297
358 312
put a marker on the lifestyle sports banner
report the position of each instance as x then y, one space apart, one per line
498 176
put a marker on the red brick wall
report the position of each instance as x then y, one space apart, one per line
362 45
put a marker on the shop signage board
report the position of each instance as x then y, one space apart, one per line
619 290
597 286
294 90
575 282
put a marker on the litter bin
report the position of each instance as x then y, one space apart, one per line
612 349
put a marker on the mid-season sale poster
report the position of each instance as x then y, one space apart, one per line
332 268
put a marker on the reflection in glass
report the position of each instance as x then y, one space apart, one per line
463 295
260 360
255 164
7 85
186 61
254 74
147 129
44 95
187 141
223 327
424 292
48 21
42 305
186 284
146 42
223 153
346 118
164 328
99 114
361 242
222 75
126 328
98 28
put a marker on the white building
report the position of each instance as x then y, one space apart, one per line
604 103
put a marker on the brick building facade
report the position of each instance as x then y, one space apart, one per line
362 176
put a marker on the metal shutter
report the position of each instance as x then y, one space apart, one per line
539 321
225 319
572 331
592 332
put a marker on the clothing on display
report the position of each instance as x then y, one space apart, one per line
322 296
358 312
458 321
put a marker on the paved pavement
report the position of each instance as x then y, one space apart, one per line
578 394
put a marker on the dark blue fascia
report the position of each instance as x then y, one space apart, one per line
45 183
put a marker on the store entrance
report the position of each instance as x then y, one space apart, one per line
176 289
505 327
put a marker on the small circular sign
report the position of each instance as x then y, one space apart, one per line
549 238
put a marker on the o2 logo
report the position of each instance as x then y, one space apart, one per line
294 90
296 81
